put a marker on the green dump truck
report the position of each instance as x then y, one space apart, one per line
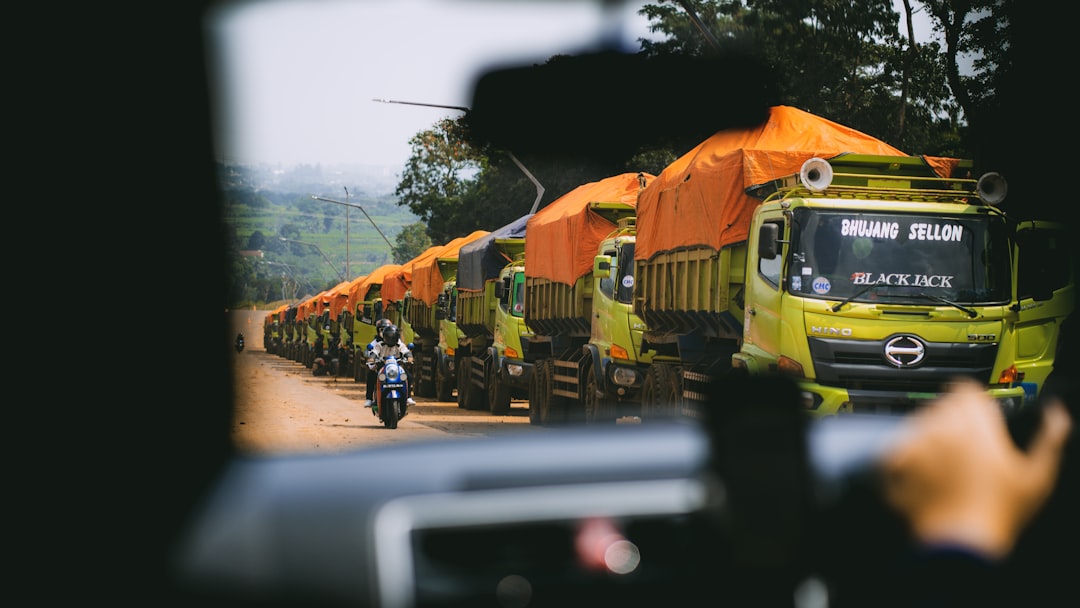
579 282
426 309
491 362
872 277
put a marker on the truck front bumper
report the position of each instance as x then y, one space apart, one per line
822 400
515 373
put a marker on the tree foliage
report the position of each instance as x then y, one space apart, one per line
411 242
438 175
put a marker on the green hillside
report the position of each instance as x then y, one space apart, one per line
285 244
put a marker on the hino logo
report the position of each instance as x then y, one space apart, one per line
904 351
818 330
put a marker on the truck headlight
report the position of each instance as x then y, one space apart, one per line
624 376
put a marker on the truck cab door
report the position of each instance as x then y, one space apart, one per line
1044 273
763 296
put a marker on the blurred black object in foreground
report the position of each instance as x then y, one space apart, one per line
604 105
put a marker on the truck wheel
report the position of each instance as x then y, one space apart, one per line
537 398
444 384
557 408
658 397
599 409
463 383
498 395
477 396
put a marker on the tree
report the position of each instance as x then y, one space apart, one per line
411 242
440 171
843 61
257 240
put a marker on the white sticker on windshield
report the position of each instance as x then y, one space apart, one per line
821 285
628 281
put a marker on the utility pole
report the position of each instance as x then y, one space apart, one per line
319 249
330 200
348 267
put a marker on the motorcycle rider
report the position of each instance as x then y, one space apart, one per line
387 342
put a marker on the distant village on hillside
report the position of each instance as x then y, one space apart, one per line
370 180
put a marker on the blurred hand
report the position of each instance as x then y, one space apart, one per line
958 477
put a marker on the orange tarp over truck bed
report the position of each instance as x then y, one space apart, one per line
427 279
359 290
699 200
561 239
331 297
350 293
396 284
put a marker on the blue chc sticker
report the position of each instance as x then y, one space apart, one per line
628 281
821 285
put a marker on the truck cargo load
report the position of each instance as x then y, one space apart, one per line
700 199
694 218
427 279
434 333
561 244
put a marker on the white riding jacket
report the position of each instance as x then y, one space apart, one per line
380 350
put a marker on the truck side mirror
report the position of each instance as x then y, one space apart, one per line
768 237
601 266
506 288
499 289
378 309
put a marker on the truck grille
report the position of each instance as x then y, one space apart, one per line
860 365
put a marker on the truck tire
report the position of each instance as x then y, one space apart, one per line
537 398
463 383
444 384
497 393
551 409
599 409
475 395
659 397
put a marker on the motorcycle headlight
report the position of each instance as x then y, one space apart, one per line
392 372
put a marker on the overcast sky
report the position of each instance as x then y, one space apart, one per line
294 80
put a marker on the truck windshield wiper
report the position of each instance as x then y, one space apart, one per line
971 312
836 307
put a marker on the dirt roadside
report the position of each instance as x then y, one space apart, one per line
280 408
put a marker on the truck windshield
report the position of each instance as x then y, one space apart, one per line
836 255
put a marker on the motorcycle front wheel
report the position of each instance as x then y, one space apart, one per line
390 413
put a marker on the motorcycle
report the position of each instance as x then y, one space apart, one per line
391 392
239 342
